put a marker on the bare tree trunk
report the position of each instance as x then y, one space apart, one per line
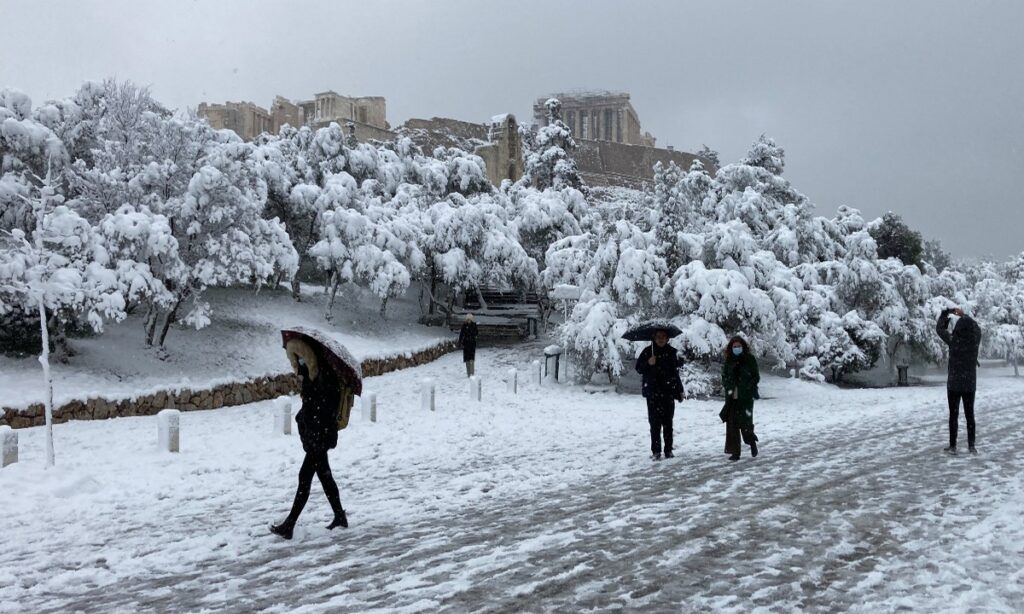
152 315
44 360
433 291
296 290
384 308
61 351
480 297
334 282
171 318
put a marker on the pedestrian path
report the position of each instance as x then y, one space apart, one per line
859 518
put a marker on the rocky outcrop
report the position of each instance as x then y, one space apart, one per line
223 395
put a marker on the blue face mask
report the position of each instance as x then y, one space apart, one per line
737 351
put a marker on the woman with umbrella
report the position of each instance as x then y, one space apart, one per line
739 382
659 365
330 378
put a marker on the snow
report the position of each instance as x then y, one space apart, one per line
540 501
243 343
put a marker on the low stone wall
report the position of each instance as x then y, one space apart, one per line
224 395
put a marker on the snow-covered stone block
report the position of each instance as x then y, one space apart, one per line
283 416
168 422
369 405
513 381
538 372
475 388
8 446
427 395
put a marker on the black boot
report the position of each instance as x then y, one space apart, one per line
285 529
734 457
753 449
340 520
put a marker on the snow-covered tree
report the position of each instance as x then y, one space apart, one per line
548 162
474 244
593 337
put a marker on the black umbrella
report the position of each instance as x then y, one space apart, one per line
646 330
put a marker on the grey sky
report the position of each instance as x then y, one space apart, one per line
911 106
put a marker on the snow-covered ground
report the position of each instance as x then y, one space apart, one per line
545 501
242 342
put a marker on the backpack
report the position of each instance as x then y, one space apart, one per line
345 403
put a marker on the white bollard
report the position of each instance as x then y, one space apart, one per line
475 388
8 446
538 372
283 416
427 395
168 422
369 405
513 381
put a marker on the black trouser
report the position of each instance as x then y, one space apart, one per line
733 433
314 463
660 411
955 397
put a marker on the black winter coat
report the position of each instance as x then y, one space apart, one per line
467 341
661 379
963 345
318 418
740 376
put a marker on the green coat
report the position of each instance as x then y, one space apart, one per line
740 374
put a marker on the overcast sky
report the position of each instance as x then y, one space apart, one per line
911 106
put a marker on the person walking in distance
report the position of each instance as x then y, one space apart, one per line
318 430
740 377
659 365
467 341
962 374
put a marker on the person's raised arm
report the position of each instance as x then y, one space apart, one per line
942 326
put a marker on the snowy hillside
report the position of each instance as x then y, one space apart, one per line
243 342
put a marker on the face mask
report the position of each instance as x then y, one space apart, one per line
302 363
737 351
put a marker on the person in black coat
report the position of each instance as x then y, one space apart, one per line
659 365
962 374
740 376
467 341
317 423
